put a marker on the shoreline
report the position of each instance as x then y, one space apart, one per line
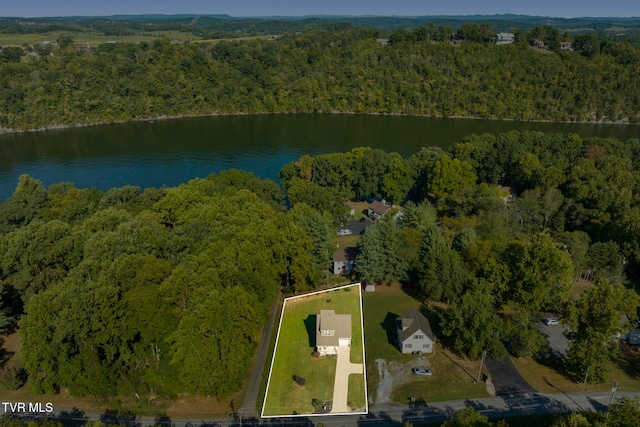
10 131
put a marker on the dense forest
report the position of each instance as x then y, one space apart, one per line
155 292
349 70
147 293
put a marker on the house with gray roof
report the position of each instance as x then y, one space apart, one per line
414 332
344 260
504 38
332 330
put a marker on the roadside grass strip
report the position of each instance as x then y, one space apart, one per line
292 357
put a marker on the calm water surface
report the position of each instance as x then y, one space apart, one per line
170 152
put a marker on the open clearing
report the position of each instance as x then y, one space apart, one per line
94 38
389 376
293 355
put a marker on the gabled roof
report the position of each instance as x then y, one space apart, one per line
329 320
379 207
346 254
411 322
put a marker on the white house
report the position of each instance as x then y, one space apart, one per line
344 260
504 38
414 332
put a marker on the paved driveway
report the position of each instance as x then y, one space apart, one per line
344 368
506 378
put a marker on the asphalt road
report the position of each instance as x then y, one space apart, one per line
392 414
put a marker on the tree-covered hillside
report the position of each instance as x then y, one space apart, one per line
325 71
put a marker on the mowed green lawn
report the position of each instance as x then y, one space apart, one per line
94 38
453 375
293 355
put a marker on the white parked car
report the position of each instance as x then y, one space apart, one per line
551 321
422 371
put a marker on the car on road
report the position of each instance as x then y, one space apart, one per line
551 321
422 372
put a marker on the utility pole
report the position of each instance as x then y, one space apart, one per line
613 396
484 353
584 385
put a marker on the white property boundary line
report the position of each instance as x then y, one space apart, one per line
364 362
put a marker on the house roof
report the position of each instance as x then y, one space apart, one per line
357 226
340 324
634 337
379 207
411 322
346 254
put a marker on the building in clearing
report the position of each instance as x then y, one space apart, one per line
414 332
377 209
332 330
344 260
504 38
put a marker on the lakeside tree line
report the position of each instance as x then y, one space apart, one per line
320 71
147 293
155 292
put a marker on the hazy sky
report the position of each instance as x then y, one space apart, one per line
555 8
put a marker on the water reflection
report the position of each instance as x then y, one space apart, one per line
170 152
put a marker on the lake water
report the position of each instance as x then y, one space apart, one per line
170 152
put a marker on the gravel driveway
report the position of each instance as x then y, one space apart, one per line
558 343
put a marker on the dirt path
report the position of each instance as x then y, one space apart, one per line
249 406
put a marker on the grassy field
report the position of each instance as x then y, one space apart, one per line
578 287
453 379
360 209
293 355
93 38
347 241
625 369
453 376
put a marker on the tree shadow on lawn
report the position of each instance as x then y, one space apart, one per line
389 325
434 316
310 326
5 354
629 363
